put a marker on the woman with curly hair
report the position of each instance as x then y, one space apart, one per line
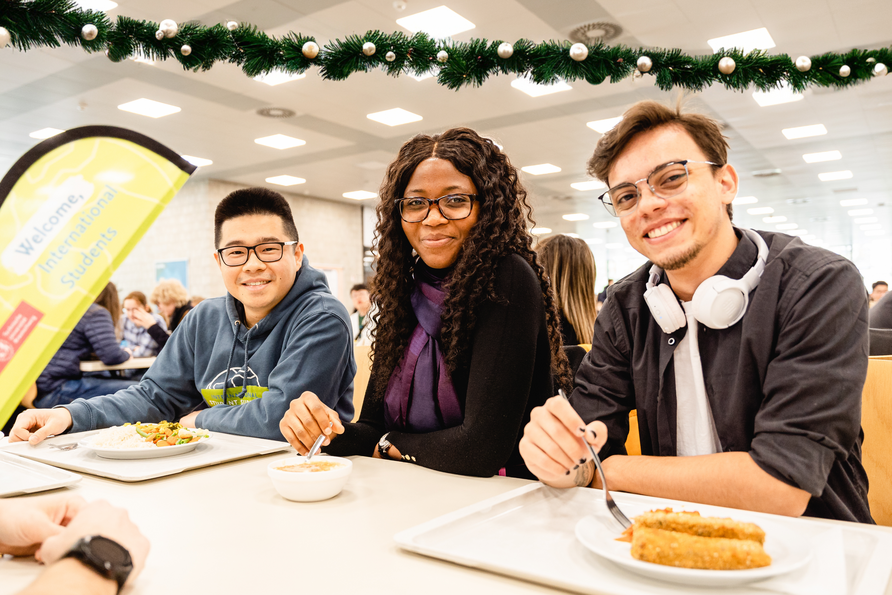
467 337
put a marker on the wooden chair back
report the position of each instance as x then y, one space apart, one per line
363 356
876 420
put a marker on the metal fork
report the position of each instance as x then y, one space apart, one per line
71 446
611 504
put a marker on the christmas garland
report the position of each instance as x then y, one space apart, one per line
27 24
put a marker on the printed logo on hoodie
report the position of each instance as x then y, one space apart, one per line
213 392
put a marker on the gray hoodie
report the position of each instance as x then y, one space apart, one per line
303 344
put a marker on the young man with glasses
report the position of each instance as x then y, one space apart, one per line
236 362
744 354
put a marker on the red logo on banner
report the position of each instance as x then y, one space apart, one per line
16 329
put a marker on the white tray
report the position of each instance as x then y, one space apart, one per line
223 448
528 534
21 476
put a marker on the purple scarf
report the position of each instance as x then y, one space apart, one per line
420 396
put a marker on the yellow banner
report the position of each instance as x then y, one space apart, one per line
71 210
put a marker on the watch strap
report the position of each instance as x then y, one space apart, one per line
86 552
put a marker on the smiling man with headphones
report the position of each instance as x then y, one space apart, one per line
744 353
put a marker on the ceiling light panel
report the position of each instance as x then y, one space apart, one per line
280 141
197 161
538 231
820 157
437 22
147 107
359 195
604 126
756 39
536 90
394 117
98 5
44 133
542 168
860 220
285 180
277 77
832 176
591 185
853 202
804 131
576 217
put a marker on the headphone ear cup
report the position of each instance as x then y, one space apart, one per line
665 308
720 302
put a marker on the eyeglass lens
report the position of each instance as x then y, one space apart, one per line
237 255
452 206
666 182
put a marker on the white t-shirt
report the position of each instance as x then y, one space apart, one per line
694 426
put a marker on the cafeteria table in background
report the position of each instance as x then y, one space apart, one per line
134 363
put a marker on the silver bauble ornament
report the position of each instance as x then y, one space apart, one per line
390 56
232 25
5 37
871 60
506 50
186 50
170 28
159 34
727 65
89 32
442 56
645 64
880 69
368 48
310 50
845 70
579 51
803 63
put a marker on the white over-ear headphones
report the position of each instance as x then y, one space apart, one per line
719 302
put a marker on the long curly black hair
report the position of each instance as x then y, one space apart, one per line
501 229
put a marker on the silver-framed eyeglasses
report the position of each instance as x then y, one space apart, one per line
415 209
236 256
666 181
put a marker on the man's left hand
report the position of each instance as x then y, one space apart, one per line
189 420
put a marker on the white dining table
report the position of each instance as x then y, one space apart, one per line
134 363
224 529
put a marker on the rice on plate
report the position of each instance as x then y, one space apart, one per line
120 437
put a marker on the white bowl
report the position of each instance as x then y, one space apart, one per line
310 487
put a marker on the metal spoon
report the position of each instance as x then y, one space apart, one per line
315 448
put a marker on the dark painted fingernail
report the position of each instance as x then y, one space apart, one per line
576 467
582 461
580 430
568 472
594 433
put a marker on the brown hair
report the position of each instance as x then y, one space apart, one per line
570 265
501 229
649 115
108 299
170 291
139 297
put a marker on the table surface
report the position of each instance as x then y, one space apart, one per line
134 363
235 534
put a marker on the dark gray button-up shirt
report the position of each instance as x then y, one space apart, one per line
784 384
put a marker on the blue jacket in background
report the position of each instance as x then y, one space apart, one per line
303 344
93 333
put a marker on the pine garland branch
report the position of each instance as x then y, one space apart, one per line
30 24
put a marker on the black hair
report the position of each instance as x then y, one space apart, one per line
874 286
254 201
359 287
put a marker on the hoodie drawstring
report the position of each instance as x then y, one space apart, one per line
245 366
229 362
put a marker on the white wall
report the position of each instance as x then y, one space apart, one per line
331 233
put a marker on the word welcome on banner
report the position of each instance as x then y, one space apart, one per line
71 210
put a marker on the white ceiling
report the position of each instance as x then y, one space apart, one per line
345 151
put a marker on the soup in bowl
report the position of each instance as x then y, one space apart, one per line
320 479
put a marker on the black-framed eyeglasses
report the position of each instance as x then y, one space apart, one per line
415 209
235 256
666 181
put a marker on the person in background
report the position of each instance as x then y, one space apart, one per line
602 297
363 315
62 381
172 301
276 333
881 313
878 290
744 353
138 318
91 548
570 267
467 337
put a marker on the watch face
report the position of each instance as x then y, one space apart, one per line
106 549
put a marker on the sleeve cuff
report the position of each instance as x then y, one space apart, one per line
81 416
795 460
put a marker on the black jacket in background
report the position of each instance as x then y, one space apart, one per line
160 335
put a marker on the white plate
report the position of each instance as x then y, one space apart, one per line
155 452
788 552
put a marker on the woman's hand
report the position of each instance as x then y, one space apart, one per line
306 419
140 317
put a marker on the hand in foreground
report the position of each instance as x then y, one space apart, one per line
99 518
188 421
307 418
26 524
35 425
552 446
140 317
